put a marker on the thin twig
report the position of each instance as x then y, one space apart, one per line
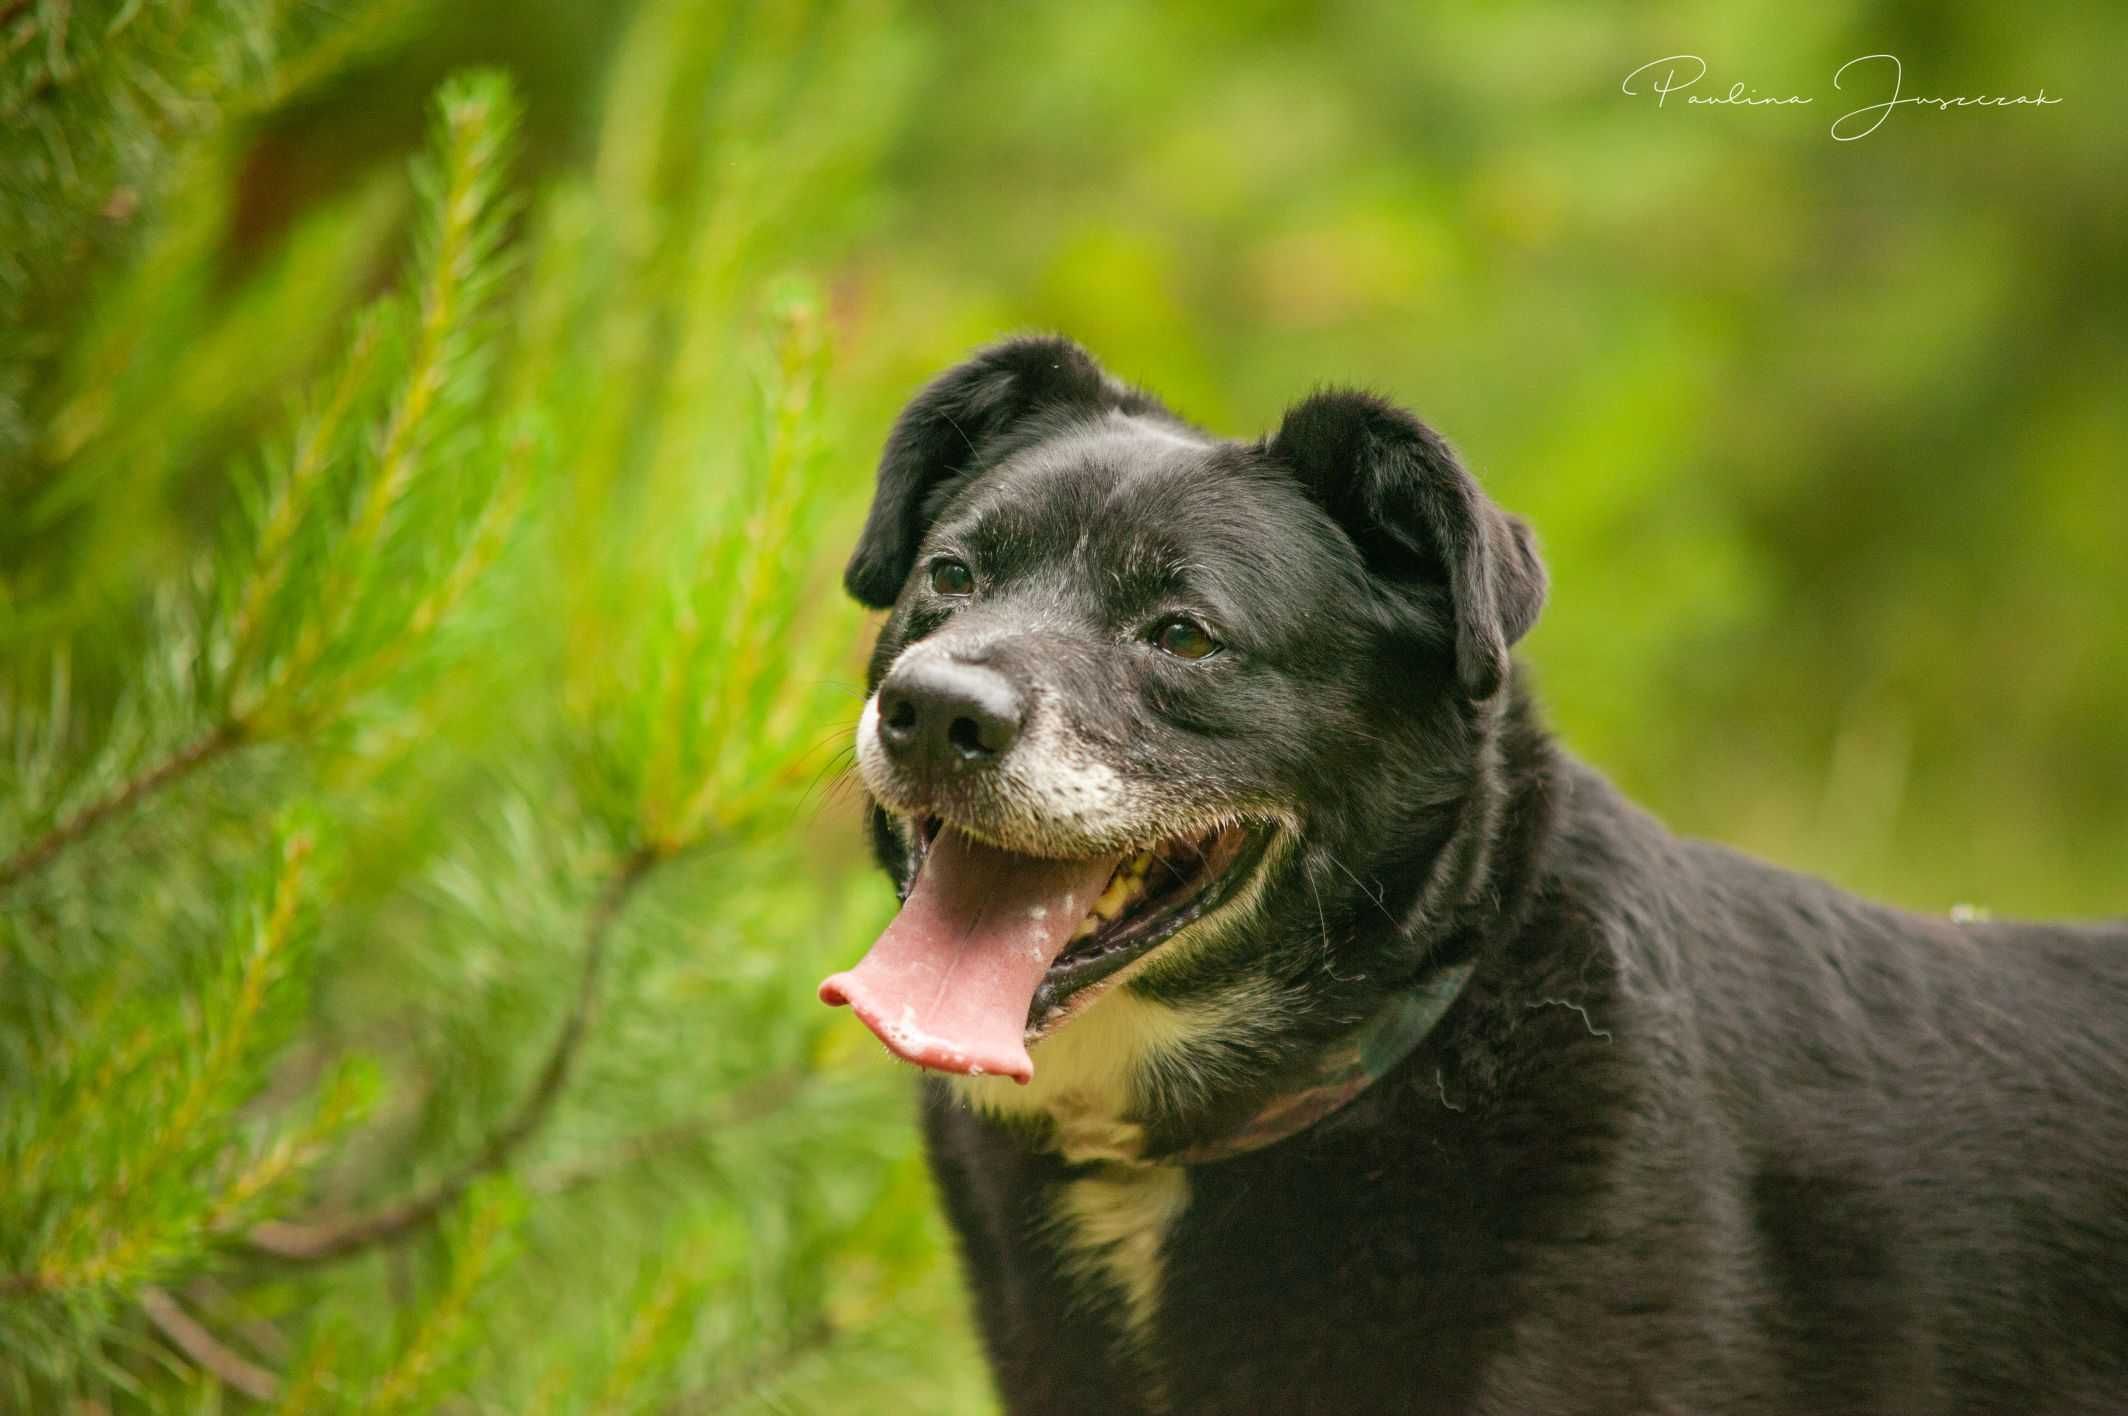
333 1239
190 1336
749 1101
258 1334
188 759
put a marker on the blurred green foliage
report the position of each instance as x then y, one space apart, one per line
516 688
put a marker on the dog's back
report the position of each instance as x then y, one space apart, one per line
1912 1132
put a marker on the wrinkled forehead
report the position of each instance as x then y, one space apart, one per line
1134 510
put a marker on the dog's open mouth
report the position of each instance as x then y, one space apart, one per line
1148 898
993 949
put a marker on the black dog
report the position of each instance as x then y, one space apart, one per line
1382 1057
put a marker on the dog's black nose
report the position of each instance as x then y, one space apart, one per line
939 713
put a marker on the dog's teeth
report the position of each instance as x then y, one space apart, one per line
1120 892
1086 928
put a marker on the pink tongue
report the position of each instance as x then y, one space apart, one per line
949 984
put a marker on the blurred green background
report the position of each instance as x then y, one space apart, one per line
1825 443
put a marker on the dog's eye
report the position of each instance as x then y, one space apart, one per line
1185 639
952 578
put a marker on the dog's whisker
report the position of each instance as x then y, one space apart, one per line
1373 897
836 773
1320 918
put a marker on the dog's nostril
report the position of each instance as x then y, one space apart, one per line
966 735
898 717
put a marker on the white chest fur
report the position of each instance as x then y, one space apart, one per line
1089 1080
1115 1223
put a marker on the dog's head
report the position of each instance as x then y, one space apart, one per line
1160 715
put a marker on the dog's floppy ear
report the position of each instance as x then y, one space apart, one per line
955 427
1416 515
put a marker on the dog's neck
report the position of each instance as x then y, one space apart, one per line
1341 1071
1479 888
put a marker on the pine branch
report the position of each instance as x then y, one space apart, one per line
205 748
312 1383
293 494
750 1101
651 1325
139 1221
328 1240
772 1366
256 1332
356 35
191 1337
476 120
479 1250
483 545
756 573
